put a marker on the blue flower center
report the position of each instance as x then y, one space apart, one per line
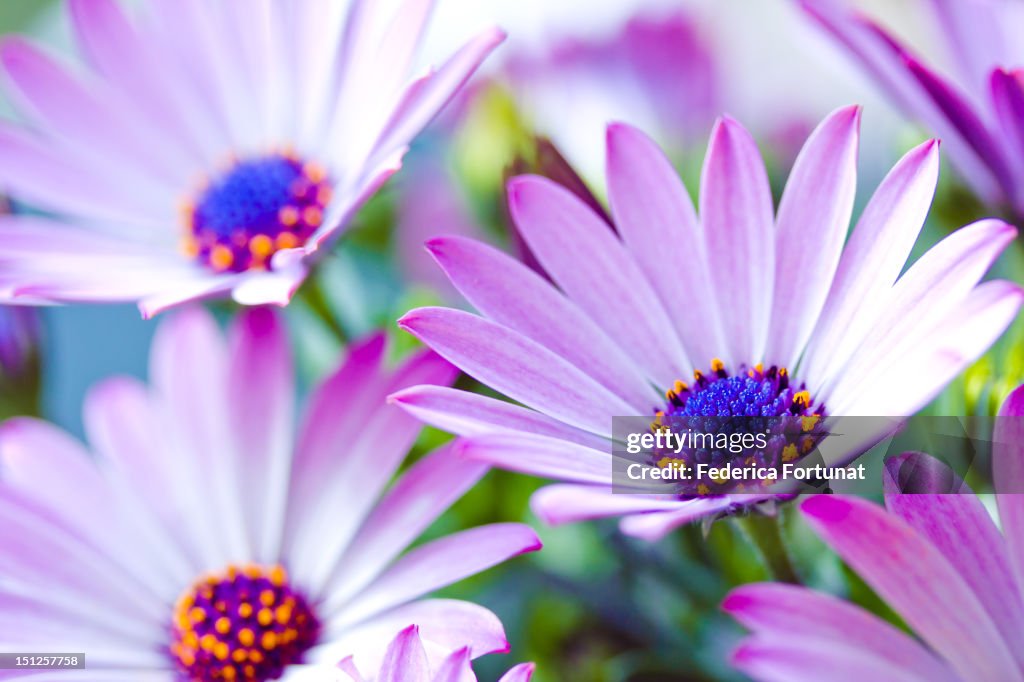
754 392
255 209
245 624
731 410
739 396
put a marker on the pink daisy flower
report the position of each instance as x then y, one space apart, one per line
207 149
740 311
203 537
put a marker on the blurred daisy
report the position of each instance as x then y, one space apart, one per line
653 72
740 311
207 149
406 661
940 562
199 540
976 104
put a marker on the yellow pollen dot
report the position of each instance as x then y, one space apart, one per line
697 375
802 398
808 423
267 597
312 216
221 257
197 615
244 610
717 365
315 172
283 614
207 642
246 637
260 247
670 394
190 247
287 240
268 641
288 216
265 617
221 650
789 453
223 625
278 576
256 656
783 371
679 387
229 672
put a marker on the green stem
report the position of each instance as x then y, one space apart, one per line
313 296
766 534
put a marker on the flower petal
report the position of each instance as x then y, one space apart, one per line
780 660
917 580
437 564
520 368
456 668
405 660
566 503
595 270
520 673
958 525
872 261
653 526
655 216
737 215
795 613
349 447
814 216
1008 475
414 502
541 456
921 299
470 414
261 383
512 295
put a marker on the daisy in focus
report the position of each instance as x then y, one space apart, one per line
973 99
741 311
406 661
207 149
935 555
204 537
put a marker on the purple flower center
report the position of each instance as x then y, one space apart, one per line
245 624
258 207
733 409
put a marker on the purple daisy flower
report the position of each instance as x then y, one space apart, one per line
764 310
407 661
199 539
939 560
208 149
976 105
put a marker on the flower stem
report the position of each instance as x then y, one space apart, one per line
312 294
766 534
